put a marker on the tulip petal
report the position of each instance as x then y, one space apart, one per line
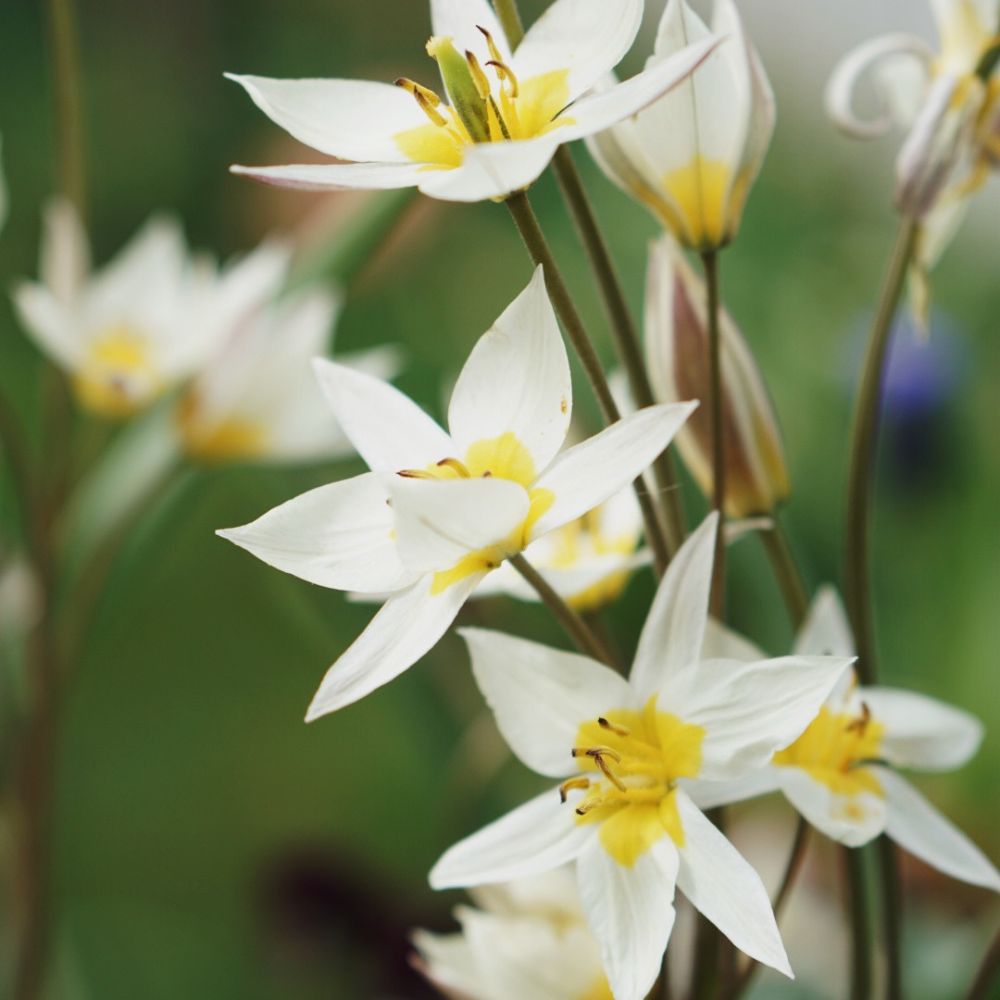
852 820
630 912
337 536
826 631
723 643
710 794
918 827
584 476
46 320
461 20
536 837
338 176
541 696
516 380
726 890
408 625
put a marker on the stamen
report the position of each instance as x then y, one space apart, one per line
860 724
495 54
573 784
506 75
415 474
478 75
426 99
460 467
596 752
612 727
607 772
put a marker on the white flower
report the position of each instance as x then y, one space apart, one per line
692 156
259 399
153 316
587 562
841 772
527 939
621 747
441 510
505 113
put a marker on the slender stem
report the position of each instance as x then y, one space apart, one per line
891 893
622 327
988 974
857 905
793 590
510 21
66 86
574 625
12 444
710 263
538 247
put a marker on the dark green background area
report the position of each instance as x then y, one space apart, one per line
209 844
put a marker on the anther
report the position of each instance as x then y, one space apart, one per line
414 474
506 75
478 75
426 100
495 54
453 463
860 724
572 785
612 727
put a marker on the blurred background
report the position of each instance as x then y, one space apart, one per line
208 843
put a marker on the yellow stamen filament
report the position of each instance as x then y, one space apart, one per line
426 99
459 467
507 77
478 75
573 784
617 730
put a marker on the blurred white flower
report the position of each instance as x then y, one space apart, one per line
692 156
840 774
20 595
505 114
527 939
440 511
150 318
621 746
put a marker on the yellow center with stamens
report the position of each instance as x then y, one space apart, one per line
699 211
209 441
502 457
631 762
117 375
835 750
495 106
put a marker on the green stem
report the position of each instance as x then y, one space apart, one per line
710 263
510 21
585 640
622 327
891 893
63 40
786 572
538 247
988 974
857 905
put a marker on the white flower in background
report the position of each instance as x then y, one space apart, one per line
527 939
692 156
620 748
259 399
150 318
441 510
504 114
587 562
948 102
676 353
840 774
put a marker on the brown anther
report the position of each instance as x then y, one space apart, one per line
414 474
860 724
573 784
607 772
495 53
506 74
426 99
612 727
478 75
453 463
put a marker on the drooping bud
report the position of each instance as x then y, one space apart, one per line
677 355
461 86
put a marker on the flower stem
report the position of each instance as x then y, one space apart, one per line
538 247
577 629
63 40
988 974
622 327
510 21
793 589
857 905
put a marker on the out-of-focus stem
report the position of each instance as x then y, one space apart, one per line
510 21
793 590
857 907
710 263
63 39
538 247
988 973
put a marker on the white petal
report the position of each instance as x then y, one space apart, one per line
516 380
672 638
448 961
349 119
541 696
49 324
586 37
630 912
439 523
726 890
584 476
337 536
492 170
749 710
852 820
723 643
65 254
534 838
389 430
826 631
849 72
923 732
597 112
338 176
709 794
461 20
917 826
407 626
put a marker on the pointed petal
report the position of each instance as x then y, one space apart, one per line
923 732
407 626
726 890
337 536
338 176
492 170
541 696
440 523
584 476
461 20
672 638
536 837
852 820
630 912
587 37
46 320
389 430
516 380
723 643
917 826
710 794
826 631
750 710
349 119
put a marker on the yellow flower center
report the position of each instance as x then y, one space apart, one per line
483 109
601 990
836 749
209 441
703 203
502 457
117 376
635 759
